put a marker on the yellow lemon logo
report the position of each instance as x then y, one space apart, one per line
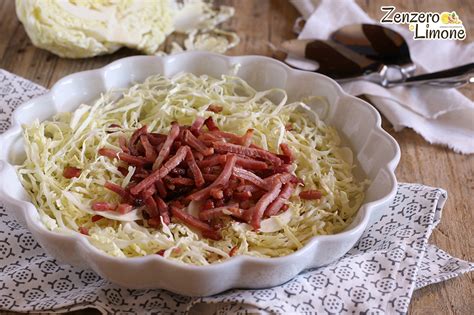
445 17
450 18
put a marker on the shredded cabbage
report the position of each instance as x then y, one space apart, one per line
73 139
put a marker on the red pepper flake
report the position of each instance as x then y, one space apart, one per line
71 172
83 230
96 218
161 252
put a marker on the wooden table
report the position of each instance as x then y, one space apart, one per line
420 162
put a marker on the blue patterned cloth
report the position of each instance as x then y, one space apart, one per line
377 276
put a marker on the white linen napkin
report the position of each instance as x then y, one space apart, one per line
441 116
378 275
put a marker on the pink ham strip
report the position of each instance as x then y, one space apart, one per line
150 191
227 136
246 195
130 159
102 206
251 164
280 178
287 151
311 194
156 138
284 168
251 152
150 153
160 186
249 176
196 144
165 149
194 222
123 208
209 137
151 207
262 204
198 156
197 125
216 193
71 172
183 181
216 169
215 108
220 181
249 188
137 133
247 138
163 209
209 177
285 159
210 124
174 161
276 205
212 161
162 172
217 212
197 174
254 146
123 144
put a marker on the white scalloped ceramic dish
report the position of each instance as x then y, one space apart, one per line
375 151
